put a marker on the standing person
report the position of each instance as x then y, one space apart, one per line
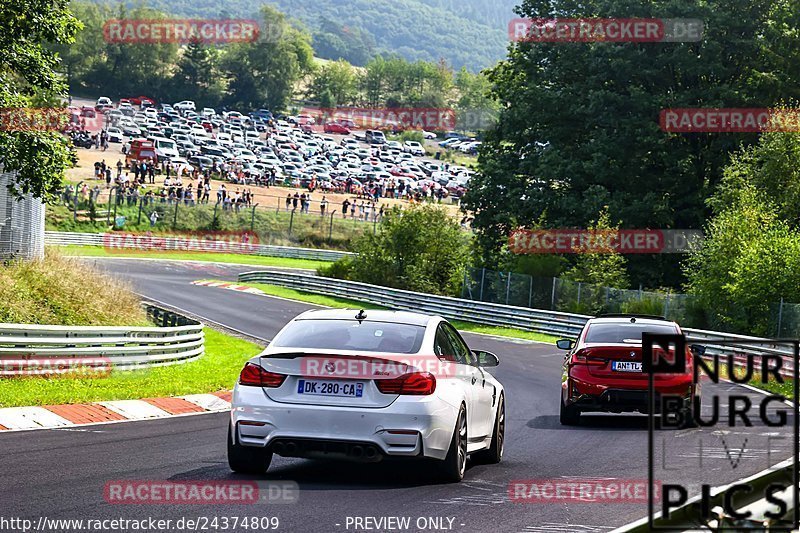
322 205
108 178
152 173
153 218
288 201
353 210
345 206
295 201
119 168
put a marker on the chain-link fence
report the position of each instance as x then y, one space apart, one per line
95 209
784 319
559 294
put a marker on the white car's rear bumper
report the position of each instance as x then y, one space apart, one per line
411 426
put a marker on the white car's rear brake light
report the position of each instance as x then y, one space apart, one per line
417 383
255 376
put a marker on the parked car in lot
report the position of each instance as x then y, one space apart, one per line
374 137
424 394
143 101
185 105
335 127
141 149
114 135
413 148
104 102
602 371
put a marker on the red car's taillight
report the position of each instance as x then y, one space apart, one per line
418 383
254 375
580 358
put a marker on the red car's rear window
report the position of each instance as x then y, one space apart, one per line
619 333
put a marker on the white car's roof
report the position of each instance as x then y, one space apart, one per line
397 317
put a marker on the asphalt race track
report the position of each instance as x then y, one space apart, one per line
62 473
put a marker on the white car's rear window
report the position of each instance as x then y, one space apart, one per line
369 336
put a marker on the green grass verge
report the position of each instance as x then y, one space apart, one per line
216 370
240 259
331 301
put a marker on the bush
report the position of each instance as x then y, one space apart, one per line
341 269
645 306
421 249
409 135
607 268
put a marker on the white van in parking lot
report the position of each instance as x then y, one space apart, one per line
165 148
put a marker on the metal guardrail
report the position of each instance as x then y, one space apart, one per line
114 241
685 517
538 320
454 308
24 347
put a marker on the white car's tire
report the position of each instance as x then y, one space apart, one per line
455 464
494 454
247 460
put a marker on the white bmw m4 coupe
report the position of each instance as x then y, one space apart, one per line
364 386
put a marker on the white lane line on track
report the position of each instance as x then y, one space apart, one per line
31 418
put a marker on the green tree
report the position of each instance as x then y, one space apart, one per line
134 69
476 109
197 76
579 123
420 249
751 254
607 268
264 73
78 58
30 77
334 81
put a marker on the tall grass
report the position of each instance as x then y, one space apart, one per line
65 291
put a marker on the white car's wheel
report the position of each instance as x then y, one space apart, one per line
455 464
247 460
494 454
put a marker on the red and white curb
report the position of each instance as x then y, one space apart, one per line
229 286
70 415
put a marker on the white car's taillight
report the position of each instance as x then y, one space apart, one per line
417 383
255 376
